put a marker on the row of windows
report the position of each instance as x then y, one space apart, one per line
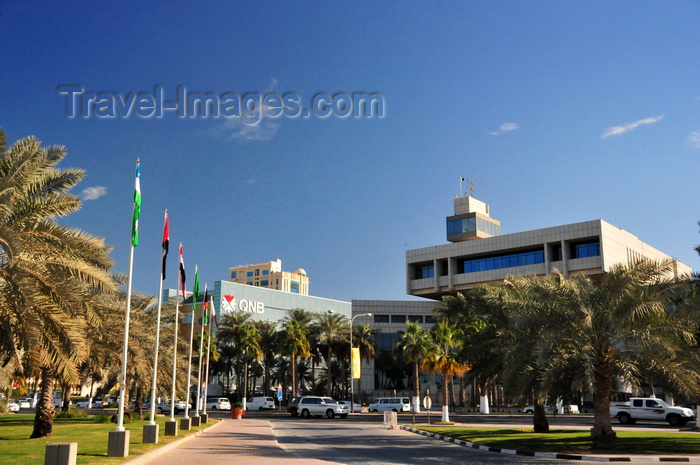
472 224
429 319
250 274
532 257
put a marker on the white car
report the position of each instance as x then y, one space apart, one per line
260 403
164 407
12 406
355 407
81 403
320 406
390 404
218 403
24 403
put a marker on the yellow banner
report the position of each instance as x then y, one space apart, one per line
356 363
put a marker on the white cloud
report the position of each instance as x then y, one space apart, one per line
255 127
505 128
617 130
93 193
694 139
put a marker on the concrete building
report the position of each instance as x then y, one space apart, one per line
270 276
478 253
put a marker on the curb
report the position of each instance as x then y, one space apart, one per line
551 455
152 454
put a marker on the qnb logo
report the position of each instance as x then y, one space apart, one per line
228 303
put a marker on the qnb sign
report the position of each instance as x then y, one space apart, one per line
230 304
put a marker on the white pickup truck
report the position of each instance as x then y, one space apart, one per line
649 408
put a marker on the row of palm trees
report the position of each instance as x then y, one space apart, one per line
59 297
546 337
284 351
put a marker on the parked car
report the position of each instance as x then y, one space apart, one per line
12 406
354 408
293 405
552 409
164 407
650 408
390 404
319 406
80 403
218 403
24 403
260 403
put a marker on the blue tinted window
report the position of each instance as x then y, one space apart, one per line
585 249
502 261
425 271
381 318
266 272
233 275
264 283
249 274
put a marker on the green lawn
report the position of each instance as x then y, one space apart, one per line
574 441
92 439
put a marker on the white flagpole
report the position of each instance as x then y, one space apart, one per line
122 379
206 373
155 354
199 362
189 358
177 316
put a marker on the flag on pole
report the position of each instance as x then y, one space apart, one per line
137 206
205 311
182 271
166 244
213 313
355 363
195 291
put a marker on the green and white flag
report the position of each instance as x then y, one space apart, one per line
137 206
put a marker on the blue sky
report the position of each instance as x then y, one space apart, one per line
561 111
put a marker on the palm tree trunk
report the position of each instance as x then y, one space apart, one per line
45 410
539 420
292 360
416 387
328 372
245 381
445 398
602 433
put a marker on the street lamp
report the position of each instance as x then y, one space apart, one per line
352 381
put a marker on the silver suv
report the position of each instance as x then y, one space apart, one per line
319 406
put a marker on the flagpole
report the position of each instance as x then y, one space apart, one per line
118 442
199 362
155 353
189 358
177 317
171 425
206 378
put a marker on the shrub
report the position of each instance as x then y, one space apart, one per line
102 418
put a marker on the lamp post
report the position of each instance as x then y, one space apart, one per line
352 381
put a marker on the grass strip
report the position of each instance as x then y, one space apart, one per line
92 439
574 441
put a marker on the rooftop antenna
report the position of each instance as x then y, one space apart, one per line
470 186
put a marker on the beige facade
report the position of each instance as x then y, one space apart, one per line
269 275
590 247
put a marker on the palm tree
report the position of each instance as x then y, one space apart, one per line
268 346
446 342
414 345
330 326
237 329
612 327
294 343
47 272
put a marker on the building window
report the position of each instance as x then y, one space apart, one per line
415 318
294 287
264 283
381 318
430 319
531 257
250 283
398 318
425 271
557 253
249 274
257 272
266 272
233 275
585 249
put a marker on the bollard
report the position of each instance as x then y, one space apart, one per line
61 453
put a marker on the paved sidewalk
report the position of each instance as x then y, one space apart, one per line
240 442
